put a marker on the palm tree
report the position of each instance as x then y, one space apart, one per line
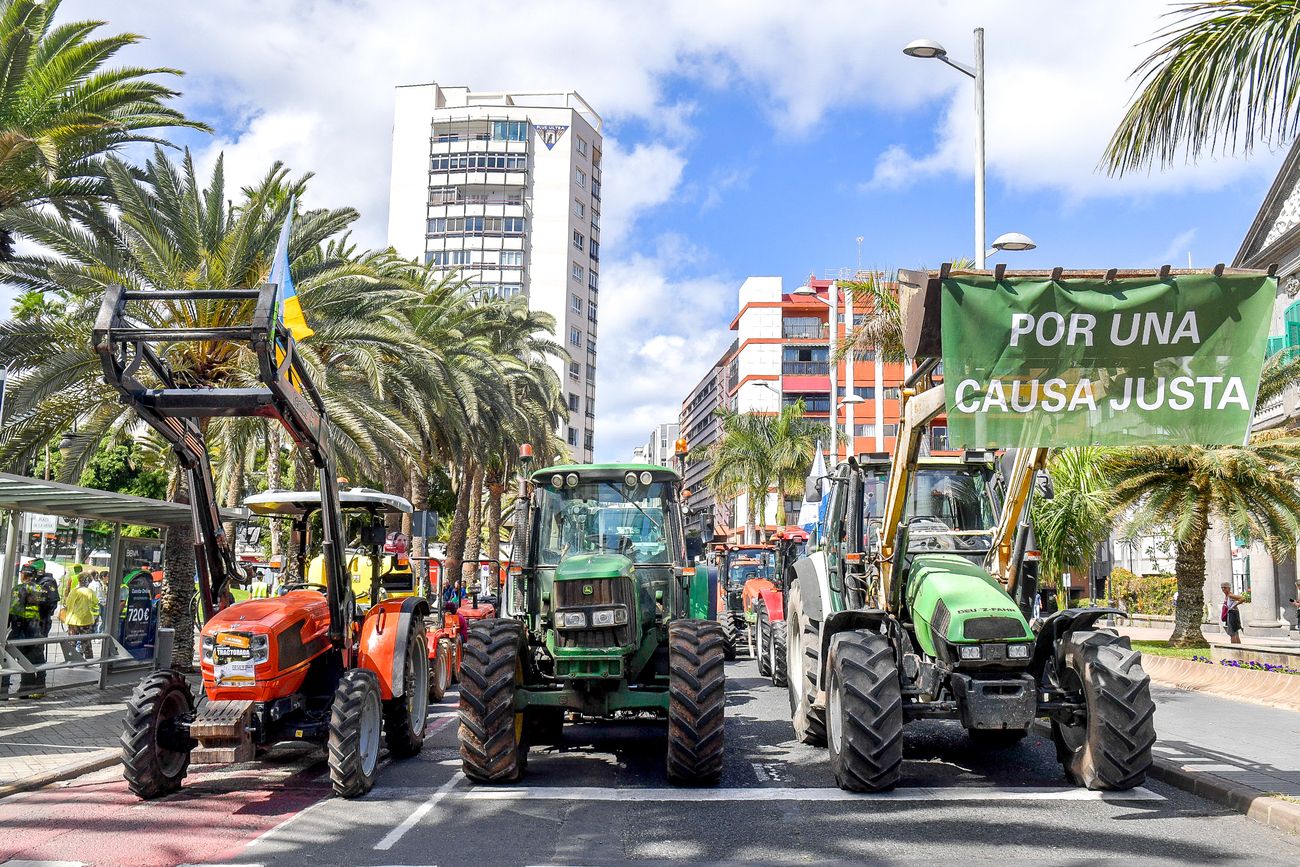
1222 78
1252 487
61 110
168 231
756 453
881 328
1069 526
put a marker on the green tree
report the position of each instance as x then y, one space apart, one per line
62 108
1224 76
1069 526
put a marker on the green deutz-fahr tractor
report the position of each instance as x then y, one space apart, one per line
605 617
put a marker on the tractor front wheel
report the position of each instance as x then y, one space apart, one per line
440 673
697 697
776 653
803 662
356 719
404 717
865 712
155 749
761 650
492 744
1110 749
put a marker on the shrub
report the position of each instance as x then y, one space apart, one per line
1144 594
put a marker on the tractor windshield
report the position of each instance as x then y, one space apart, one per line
744 565
951 509
604 517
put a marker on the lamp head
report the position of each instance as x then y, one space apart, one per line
1013 242
925 48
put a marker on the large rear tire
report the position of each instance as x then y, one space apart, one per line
155 751
803 660
697 698
762 650
356 721
404 717
865 712
492 744
1111 749
777 651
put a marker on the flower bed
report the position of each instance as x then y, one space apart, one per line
1248 665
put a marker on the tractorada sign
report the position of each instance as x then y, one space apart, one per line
1032 361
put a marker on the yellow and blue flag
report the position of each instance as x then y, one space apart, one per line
290 307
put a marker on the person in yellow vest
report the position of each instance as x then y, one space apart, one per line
25 622
82 607
261 586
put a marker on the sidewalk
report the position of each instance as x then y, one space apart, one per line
69 731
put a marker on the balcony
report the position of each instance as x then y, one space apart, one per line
805 368
801 331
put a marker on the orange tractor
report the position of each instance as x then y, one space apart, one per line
764 601
310 665
448 626
742 571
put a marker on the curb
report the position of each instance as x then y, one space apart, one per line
1264 687
1278 814
67 772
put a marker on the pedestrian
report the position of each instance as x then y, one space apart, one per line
261 586
50 601
25 622
82 607
1230 614
100 586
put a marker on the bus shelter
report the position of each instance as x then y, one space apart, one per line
20 495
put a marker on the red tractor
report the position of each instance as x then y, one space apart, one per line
741 567
766 600
309 665
448 626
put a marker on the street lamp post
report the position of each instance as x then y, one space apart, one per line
928 48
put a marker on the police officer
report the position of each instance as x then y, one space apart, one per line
24 622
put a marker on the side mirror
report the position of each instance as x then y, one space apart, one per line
1044 486
812 491
694 547
376 534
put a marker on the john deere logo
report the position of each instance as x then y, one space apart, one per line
587 590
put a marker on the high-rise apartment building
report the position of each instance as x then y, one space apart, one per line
708 517
504 188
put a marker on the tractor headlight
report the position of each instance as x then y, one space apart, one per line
1017 651
208 644
609 616
571 620
260 647
971 651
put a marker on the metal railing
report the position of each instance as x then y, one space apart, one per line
805 368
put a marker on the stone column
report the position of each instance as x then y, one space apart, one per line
1218 565
1263 590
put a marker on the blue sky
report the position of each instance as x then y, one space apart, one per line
742 137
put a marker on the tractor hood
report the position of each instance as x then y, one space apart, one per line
584 567
953 601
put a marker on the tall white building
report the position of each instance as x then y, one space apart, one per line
505 189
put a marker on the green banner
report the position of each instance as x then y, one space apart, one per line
1033 362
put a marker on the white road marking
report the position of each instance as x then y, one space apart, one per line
782 793
434 728
266 836
760 772
391 838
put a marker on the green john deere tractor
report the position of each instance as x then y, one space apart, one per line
605 617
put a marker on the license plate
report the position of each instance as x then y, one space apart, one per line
232 660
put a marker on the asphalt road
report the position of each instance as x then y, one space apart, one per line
602 798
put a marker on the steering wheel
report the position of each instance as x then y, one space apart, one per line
304 585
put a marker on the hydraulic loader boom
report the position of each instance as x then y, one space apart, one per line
170 401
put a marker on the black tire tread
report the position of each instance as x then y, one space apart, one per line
761 648
697 698
403 739
728 627
490 750
809 722
778 641
348 776
870 758
144 775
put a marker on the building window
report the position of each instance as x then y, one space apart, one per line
513 225
595 219
591 370
939 438
576 270
595 250
588 440
805 361
512 290
579 209
591 312
799 327
509 130
865 355
447 257
573 403
595 190
891 430
580 144
892 392
864 430
478 163
512 258
575 336
575 302
814 402
580 177
573 437
593 281
866 392
575 369
579 240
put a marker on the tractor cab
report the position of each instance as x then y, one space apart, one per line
378 568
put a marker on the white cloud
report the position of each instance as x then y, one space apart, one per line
1177 250
634 181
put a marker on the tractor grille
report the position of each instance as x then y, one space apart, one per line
981 628
570 596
